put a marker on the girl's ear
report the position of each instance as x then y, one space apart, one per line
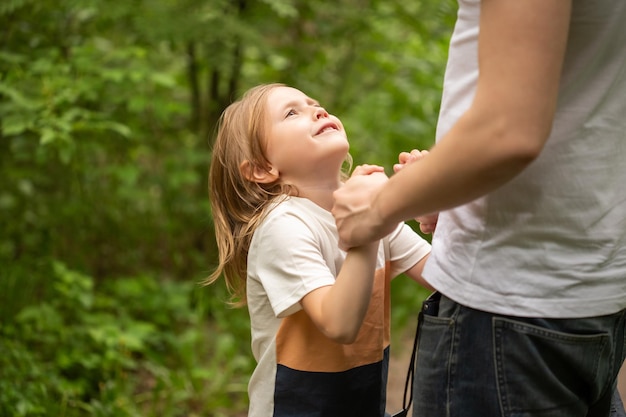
254 173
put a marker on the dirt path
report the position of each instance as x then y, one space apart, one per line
621 382
398 366
399 362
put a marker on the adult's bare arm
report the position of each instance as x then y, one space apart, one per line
521 50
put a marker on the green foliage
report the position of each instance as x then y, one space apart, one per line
107 111
134 347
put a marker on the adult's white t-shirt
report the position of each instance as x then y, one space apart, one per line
552 242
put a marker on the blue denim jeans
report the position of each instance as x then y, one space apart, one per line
476 364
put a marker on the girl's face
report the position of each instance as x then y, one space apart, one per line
304 143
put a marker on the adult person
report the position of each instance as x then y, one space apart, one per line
530 249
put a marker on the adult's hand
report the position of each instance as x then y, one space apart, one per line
428 222
357 223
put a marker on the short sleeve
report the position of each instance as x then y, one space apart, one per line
406 248
285 256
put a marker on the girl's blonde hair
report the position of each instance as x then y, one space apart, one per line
239 204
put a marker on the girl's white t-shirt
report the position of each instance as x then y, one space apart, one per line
294 251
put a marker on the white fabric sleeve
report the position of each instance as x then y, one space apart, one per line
288 262
406 248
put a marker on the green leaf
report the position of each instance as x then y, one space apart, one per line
15 124
47 136
17 98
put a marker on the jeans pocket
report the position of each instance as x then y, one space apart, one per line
431 375
547 372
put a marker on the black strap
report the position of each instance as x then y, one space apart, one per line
430 307
406 404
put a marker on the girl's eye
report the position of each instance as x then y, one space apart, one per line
290 113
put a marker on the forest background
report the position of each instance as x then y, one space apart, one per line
107 114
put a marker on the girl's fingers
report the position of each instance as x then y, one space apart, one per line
408 157
367 169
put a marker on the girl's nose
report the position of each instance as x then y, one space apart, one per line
320 113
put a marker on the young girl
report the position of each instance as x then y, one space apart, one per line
319 315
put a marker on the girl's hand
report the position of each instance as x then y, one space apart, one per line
366 169
406 158
428 222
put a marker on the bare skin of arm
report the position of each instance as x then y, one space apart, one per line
415 273
338 310
427 222
521 50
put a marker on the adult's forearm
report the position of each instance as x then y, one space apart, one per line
520 56
474 159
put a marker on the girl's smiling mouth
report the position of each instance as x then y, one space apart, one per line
327 127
